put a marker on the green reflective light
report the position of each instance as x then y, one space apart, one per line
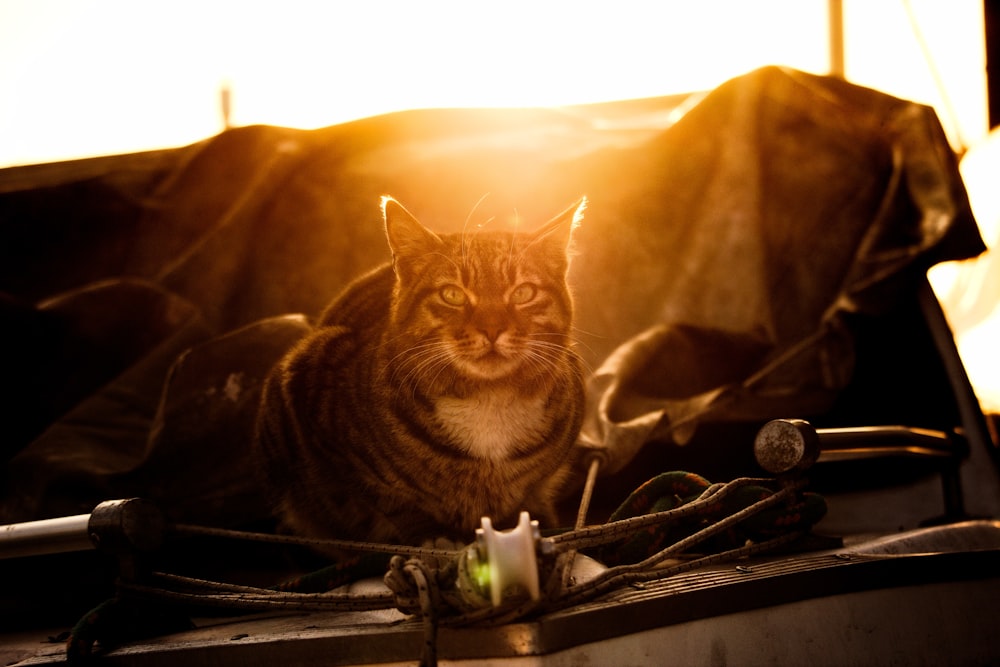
481 573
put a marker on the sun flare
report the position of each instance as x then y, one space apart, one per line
82 77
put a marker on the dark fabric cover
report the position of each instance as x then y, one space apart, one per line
727 241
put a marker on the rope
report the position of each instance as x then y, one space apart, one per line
429 601
562 547
417 588
588 492
563 571
190 530
188 590
579 538
615 576
647 569
629 575
613 531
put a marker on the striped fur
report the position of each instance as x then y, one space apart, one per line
436 390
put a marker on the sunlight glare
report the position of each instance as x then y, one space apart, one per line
92 77
969 291
85 77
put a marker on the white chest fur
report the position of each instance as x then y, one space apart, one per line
491 424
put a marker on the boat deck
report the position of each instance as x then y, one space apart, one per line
896 596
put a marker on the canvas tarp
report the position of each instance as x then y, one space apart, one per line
727 237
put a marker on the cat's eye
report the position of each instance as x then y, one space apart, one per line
453 295
523 294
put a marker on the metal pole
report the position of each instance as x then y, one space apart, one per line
835 18
115 526
50 536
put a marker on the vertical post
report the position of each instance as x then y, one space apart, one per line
226 104
991 18
835 19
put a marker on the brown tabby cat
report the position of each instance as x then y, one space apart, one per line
436 390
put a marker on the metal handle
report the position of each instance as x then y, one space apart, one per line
115 526
785 446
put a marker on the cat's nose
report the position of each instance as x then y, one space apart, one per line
492 332
490 323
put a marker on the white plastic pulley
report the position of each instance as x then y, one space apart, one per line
510 558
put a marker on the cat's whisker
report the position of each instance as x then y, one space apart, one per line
465 225
557 351
412 380
541 364
417 348
574 342
548 352
434 360
482 225
386 342
513 240
588 333
409 367
419 360
448 259
445 363
412 352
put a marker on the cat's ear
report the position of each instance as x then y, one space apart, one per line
407 237
559 229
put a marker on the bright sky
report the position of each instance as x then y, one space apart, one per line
90 77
